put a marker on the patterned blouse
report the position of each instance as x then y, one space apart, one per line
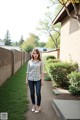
34 70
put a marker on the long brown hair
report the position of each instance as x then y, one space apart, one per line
37 51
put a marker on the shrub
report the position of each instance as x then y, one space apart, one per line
52 61
50 57
47 78
74 79
59 71
49 61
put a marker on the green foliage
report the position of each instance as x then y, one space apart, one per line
49 61
15 43
47 78
50 43
30 43
50 57
33 39
53 32
42 44
55 37
64 1
70 1
59 71
29 48
7 39
21 40
74 79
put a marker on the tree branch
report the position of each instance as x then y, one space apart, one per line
77 14
56 30
64 5
75 8
52 39
57 37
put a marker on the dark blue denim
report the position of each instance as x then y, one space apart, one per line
35 85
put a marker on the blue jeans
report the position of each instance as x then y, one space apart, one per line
35 85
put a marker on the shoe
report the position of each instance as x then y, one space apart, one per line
33 109
37 110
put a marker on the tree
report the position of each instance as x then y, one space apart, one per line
21 40
29 48
74 3
42 44
50 43
47 27
32 41
15 43
7 39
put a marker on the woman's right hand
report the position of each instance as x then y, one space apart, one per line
26 80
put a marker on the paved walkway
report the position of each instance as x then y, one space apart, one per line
47 111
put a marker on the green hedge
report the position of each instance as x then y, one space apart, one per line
59 71
47 78
49 61
50 57
74 79
52 61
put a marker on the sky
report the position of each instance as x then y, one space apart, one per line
21 17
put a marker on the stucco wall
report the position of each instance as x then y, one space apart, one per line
5 73
52 53
70 41
10 62
17 60
5 64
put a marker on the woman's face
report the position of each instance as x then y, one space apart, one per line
35 55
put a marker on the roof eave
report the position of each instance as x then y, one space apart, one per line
62 14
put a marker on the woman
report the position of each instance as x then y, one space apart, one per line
35 79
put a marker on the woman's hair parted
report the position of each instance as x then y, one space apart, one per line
37 51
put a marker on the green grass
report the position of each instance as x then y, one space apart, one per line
13 95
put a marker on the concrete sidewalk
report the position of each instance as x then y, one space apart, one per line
47 112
